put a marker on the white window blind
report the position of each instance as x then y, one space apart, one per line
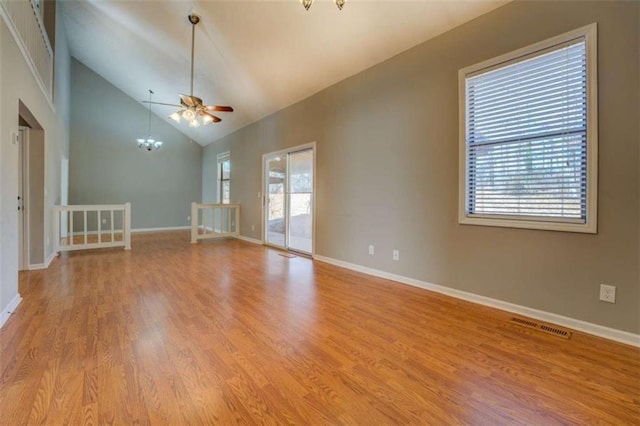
526 137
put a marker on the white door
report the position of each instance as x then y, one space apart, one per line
289 199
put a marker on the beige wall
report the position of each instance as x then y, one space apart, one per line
387 159
35 203
17 84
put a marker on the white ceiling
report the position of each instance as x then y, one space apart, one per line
258 56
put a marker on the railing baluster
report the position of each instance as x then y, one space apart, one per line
85 226
112 233
99 227
213 219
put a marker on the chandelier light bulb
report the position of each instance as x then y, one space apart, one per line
194 123
189 115
340 3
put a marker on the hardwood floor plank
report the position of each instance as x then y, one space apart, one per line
227 332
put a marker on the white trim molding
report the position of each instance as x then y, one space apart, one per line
575 324
589 223
45 265
10 309
170 228
250 240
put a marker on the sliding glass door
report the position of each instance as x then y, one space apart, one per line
276 167
289 183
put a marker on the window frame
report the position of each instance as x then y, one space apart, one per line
589 33
222 158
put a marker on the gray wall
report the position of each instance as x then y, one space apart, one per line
387 169
107 167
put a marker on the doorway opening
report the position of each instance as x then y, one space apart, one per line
31 193
289 204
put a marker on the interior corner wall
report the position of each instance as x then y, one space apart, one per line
107 167
387 169
18 85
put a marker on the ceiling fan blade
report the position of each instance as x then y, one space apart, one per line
219 108
190 101
213 117
160 103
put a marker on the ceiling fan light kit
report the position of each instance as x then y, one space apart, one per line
307 3
192 109
149 143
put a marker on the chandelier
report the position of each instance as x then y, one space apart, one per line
149 143
307 3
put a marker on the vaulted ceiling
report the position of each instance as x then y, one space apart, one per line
258 56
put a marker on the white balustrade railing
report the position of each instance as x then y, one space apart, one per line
27 27
92 226
214 221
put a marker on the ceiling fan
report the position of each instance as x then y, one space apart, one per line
192 109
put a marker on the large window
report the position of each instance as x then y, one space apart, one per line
224 178
528 149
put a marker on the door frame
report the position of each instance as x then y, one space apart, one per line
263 217
23 191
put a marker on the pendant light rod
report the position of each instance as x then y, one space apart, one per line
149 143
194 19
149 108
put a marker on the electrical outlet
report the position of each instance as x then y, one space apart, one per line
372 249
396 255
608 293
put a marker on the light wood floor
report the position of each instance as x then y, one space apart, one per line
228 332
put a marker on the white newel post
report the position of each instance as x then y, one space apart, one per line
56 230
194 223
127 226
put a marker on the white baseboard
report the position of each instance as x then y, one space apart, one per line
170 228
52 256
9 309
575 324
36 266
45 265
250 240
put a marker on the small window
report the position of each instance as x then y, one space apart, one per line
528 148
224 178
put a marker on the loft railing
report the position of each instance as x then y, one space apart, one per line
27 28
214 221
92 226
